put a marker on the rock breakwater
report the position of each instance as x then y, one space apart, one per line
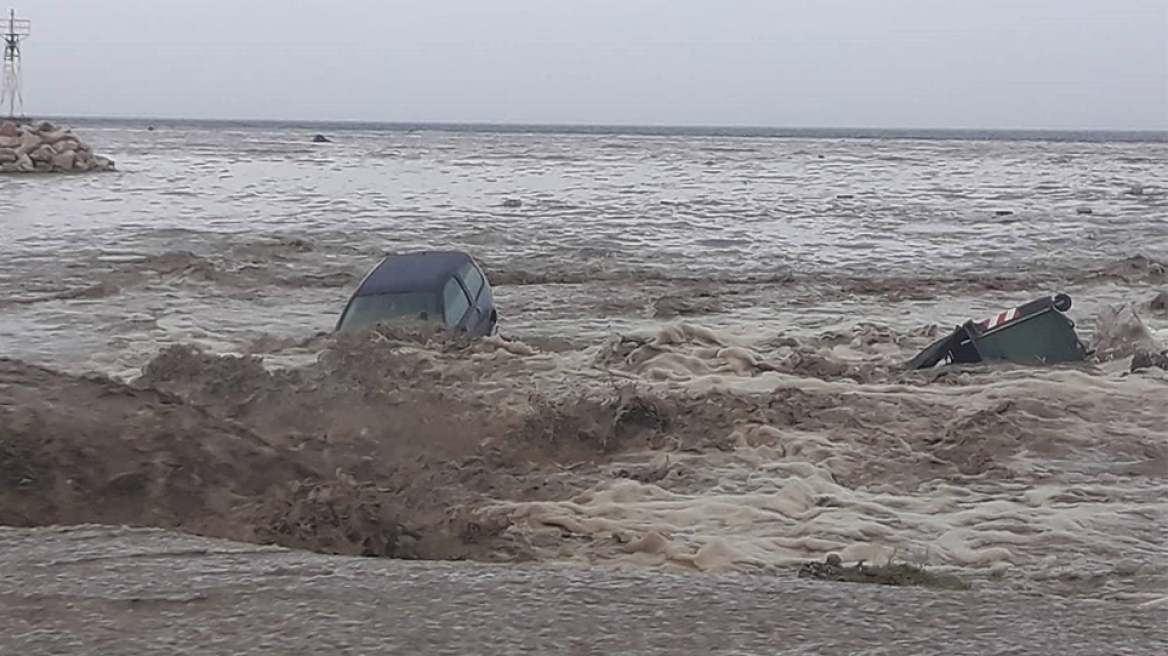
45 148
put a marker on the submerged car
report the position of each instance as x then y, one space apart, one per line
447 287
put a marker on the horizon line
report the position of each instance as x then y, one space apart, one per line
599 125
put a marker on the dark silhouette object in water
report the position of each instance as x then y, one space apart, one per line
1085 210
512 202
1159 303
320 138
150 128
1003 212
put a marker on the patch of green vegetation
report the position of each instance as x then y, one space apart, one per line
903 574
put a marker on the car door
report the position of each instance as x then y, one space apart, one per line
482 317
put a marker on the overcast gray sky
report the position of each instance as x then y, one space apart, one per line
787 63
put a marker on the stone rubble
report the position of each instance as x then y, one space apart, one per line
45 148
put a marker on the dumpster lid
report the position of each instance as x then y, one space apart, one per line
938 350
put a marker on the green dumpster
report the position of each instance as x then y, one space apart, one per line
1035 333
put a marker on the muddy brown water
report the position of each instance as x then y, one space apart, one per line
101 591
697 388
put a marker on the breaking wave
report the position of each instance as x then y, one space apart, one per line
686 448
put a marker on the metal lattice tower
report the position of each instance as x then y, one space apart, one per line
15 30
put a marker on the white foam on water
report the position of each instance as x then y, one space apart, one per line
1019 467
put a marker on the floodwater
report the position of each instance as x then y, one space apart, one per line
258 232
102 591
697 388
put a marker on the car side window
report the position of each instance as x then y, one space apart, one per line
454 301
473 279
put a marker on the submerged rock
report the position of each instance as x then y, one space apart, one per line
320 138
1120 333
45 148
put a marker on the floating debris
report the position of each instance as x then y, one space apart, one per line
1148 360
1034 333
903 574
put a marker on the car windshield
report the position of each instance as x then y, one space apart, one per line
366 311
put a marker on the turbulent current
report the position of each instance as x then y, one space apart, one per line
697 389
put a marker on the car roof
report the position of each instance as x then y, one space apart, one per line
424 271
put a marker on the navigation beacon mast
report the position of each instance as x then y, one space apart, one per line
15 31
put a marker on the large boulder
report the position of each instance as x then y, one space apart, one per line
100 163
28 143
25 165
64 161
43 153
9 129
8 156
68 143
57 136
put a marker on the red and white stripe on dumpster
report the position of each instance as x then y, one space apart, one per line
1000 318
